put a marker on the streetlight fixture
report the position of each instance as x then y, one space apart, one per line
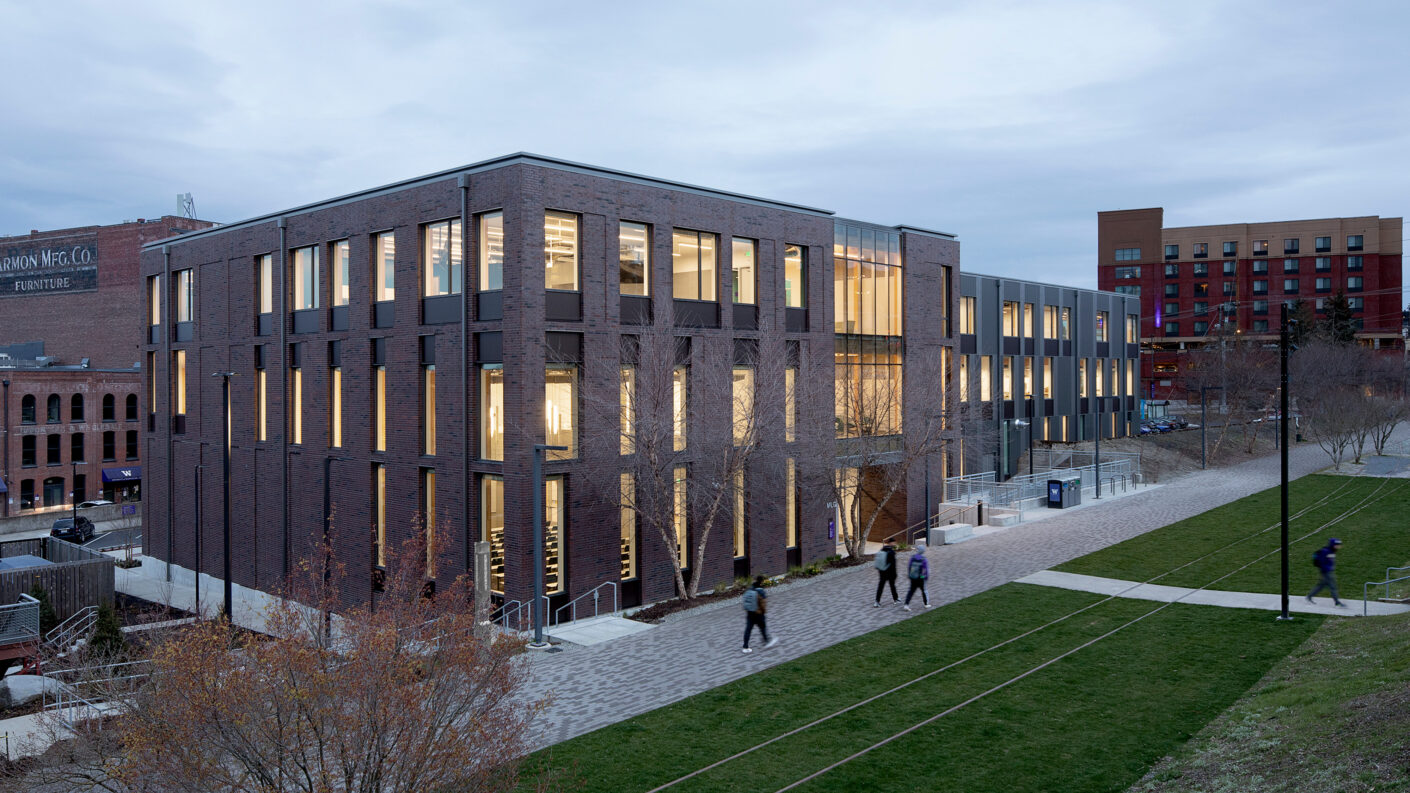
1284 342
225 456
539 448
1029 424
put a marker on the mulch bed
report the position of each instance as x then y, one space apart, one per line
136 611
657 611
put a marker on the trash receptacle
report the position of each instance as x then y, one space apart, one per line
1055 494
1066 492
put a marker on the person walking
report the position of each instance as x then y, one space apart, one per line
755 604
1326 561
918 571
885 564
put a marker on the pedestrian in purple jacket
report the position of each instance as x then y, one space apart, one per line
918 571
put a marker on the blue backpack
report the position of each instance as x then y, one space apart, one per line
917 569
751 599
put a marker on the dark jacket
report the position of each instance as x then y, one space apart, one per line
890 551
1326 558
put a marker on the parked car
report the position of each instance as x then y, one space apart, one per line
1146 428
98 503
78 530
1178 422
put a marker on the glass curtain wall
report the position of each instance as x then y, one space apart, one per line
867 354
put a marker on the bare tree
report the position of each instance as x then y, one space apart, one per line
1390 412
680 465
1245 372
396 697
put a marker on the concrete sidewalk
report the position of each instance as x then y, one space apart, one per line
1208 597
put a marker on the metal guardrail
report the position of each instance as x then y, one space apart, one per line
72 629
1026 487
1366 588
86 693
572 606
19 622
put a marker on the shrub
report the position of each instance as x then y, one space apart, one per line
48 620
108 643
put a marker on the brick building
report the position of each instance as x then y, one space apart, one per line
69 347
1197 283
459 318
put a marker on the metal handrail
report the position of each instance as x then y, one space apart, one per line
573 604
957 508
1366 588
67 632
19 621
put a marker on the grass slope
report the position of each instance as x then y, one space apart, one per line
1092 722
1333 716
1375 538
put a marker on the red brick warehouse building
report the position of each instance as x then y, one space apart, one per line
416 340
1199 282
69 347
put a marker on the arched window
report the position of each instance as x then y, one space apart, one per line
76 408
109 408
53 408
27 408
131 407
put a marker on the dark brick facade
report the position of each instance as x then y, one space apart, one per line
275 518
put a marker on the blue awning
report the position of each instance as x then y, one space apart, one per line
129 474
3 489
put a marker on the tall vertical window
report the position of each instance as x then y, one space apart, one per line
441 259
692 265
740 548
790 404
1082 377
967 305
335 407
795 277
341 264
743 399
1131 376
154 300
492 412
54 451
379 409
1101 380
628 518
680 516
560 251
261 405
1115 377
76 407
1065 324
1006 381
560 410
131 445
1132 328
185 296
633 259
628 409
1047 378
379 514
428 517
492 527
428 409
1010 318
986 378
151 374
76 447
1050 322
1028 320
305 266
384 267
680 377
790 503
296 405
964 378
491 252
555 536
743 254
1103 320
130 407
179 368
264 283
109 446
1027 378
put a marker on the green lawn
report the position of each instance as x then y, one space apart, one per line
1375 538
1092 722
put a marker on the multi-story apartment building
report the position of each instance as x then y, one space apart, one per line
408 346
1041 363
69 346
1199 283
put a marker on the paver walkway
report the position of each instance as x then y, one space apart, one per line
1208 597
600 685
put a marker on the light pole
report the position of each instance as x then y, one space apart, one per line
225 463
539 449
1283 343
1204 420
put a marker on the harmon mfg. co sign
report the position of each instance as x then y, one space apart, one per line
59 266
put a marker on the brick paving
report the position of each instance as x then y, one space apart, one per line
596 686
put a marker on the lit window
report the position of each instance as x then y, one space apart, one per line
1065 325
692 265
342 260
1132 328
492 412
679 405
1047 378
560 251
790 496
740 548
154 300
441 259
379 409
492 527
261 405
296 404
795 283
967 306
560 410
1028 320
1103 320
742 256
384 266
1082 377
743 399
379 515
1260 247
628 518
491 251
1050 322
1010 318
335 407
185 296
305 277
264 277
1131 376
790 404
1006 383
180 368
1028 378
964 378
680 516
986 378
628 409
428 517
428 422
634 259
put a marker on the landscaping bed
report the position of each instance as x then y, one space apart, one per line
656 612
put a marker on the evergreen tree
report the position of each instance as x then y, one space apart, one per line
1339 326
107 642
48 619
1304 322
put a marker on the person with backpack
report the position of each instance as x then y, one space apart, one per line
885 564
918 571
755 604
1325 559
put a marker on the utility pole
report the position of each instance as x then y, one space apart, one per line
1283 343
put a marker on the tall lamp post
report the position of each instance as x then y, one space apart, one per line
539 448
1284 342
225 471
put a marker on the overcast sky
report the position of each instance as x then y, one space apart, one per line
1010 124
